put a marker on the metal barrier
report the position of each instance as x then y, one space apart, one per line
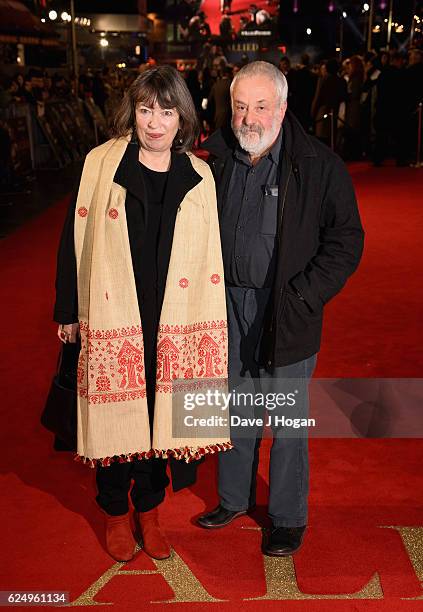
331 117
52 133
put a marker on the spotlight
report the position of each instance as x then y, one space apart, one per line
64 16
344 14
366 7
308 31
52 15
104 42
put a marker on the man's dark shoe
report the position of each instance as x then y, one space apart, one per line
219 517
283 541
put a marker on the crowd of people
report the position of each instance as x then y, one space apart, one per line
106 87
194 27
364 107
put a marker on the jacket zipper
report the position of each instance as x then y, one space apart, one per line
280 224
283 200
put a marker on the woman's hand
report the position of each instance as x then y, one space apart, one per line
68 333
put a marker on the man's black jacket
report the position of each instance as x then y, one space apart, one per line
319 238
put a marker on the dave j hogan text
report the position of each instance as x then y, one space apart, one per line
272 420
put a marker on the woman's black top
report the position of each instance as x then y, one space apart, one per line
155 185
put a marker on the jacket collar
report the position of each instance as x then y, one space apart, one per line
296 142
182 176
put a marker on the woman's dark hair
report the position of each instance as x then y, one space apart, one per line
164 85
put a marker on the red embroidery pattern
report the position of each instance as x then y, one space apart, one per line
82 211
167 354
215 279
103 383
184 283
130 360
113 213
191 352
209 353
111 365
111 362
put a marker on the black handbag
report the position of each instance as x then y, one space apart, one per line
59 414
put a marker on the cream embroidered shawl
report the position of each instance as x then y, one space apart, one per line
113 419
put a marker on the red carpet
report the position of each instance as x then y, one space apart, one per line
364 546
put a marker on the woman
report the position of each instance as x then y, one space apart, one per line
140 278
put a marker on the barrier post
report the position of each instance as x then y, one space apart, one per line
331 118
419 163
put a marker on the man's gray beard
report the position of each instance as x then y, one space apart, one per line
264 141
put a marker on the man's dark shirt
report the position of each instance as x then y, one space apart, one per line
248 219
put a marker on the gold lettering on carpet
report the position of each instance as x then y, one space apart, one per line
412 538
281 583
175 571
280 576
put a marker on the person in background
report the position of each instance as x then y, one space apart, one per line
330 92
219 102
303 87
99 89
391 115
226 28
193 83
368 102
243 23
225 6
355 73
289 73
414 96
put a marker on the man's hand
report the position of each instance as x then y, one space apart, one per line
68 333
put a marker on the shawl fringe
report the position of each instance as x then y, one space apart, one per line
185 453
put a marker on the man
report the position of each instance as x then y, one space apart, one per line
303 87
414 96
291 235
392 112
219 99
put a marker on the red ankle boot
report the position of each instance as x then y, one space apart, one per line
154 542
120 541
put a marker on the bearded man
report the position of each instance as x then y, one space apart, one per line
291 236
